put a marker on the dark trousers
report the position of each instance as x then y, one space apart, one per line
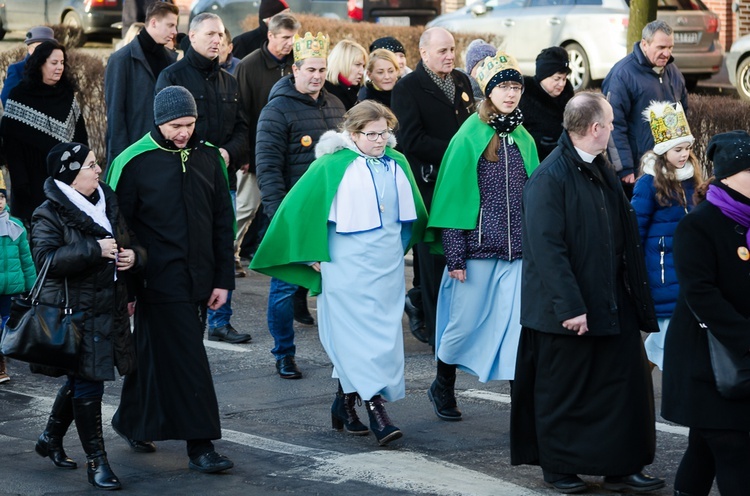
83 388
716 453
431 268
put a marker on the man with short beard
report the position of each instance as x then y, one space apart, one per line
131 76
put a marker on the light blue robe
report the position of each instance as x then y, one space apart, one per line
362 300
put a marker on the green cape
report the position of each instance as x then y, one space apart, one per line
455 204
298 233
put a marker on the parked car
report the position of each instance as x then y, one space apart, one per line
738 66
95 17
593 32
389 12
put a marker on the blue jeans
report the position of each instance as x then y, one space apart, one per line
221 316
281 317
83 388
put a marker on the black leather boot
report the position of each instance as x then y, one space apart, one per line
380 423
88 416
344 416
442 393
301 313
50 442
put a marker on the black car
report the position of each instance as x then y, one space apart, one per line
95 17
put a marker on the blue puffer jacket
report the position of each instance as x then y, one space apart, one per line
630 87
657 225
17 272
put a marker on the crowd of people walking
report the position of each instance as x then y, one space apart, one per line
532 262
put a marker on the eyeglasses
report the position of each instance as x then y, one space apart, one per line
373 136
90 166
507 87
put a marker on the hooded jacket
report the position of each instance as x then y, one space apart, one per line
288 130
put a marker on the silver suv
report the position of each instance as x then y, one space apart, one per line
592 31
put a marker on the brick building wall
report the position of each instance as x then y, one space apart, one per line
727 23
743 18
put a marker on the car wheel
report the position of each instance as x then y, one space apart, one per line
72 20
743 79
580 73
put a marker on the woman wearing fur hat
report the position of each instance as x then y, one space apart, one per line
370 213
712 261
662 196
80 227
477 210
546 94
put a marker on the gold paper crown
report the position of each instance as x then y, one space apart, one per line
668 125
309 46
492 65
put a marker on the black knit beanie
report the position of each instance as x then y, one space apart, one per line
269 8
172 103
730 153
64 161
551 61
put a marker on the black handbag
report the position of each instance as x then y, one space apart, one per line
43 333
731 371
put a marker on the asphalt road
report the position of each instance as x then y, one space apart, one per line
279 435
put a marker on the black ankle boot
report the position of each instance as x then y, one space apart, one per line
442 393
88 416
50 442
344 416
380 424
301 313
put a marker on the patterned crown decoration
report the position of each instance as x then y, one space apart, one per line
493 65
668 124
311 46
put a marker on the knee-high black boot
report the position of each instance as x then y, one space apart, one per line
50 442
442 393
301 313
344 416
380 423
88 416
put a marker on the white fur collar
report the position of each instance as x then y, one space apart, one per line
649 162
333 141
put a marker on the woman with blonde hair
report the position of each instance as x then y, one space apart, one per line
346 70
342 231
383 74
476 211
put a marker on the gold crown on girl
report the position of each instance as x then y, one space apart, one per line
668 124
492 65
311 46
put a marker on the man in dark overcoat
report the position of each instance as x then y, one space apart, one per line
431 103
221 122
173 193
131 76
582 401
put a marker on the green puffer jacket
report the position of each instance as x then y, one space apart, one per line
17 272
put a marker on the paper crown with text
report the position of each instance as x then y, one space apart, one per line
493 70
311 46
668 125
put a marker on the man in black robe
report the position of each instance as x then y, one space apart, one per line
174 195
582 401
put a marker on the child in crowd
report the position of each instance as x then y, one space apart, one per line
662 196
18 273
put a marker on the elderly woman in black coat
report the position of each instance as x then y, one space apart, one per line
545 96
712 262
80 228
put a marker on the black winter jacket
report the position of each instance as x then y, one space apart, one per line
246 43
715 282
543 114
288 130
574 215
347 94
62 230
221 117
427 121
368 92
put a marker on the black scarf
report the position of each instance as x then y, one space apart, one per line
156 55
504 124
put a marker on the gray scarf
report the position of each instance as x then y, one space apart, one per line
8 227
